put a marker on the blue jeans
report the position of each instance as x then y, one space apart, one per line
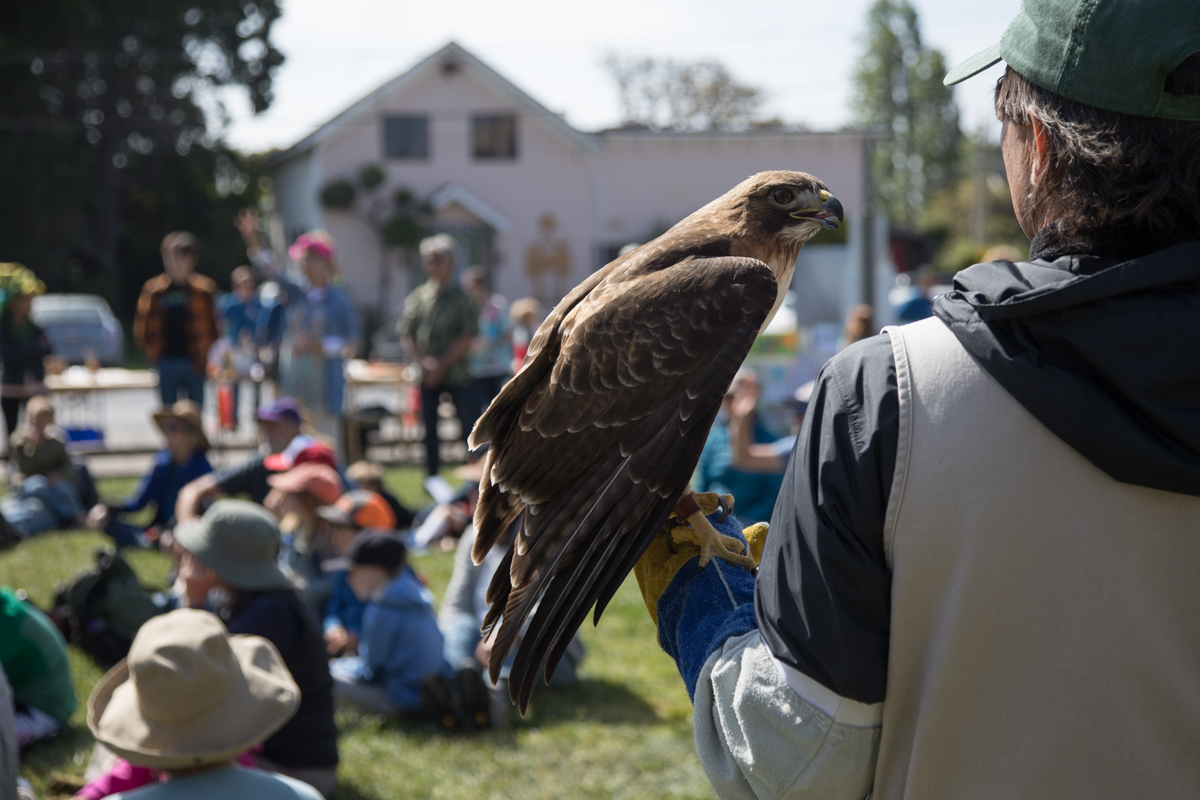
175 374
125 535
41 506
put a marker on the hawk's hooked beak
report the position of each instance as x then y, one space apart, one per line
827 215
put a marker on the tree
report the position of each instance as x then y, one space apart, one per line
899 88
974 214
110 120
682 96
396 218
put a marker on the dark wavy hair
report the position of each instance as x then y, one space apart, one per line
1110 170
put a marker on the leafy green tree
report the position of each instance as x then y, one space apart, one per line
898 87
110 123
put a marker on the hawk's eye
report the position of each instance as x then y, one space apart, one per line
783 196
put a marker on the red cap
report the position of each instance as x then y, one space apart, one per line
315 453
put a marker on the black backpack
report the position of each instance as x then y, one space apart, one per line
102 609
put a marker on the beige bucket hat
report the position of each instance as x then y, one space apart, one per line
189 694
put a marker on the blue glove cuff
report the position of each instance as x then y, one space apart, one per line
701 609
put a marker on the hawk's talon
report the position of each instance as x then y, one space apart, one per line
699 531
724 507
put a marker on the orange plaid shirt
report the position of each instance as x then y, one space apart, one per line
201 319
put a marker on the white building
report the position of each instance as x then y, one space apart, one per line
536 202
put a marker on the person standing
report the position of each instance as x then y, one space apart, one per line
320 327
438 325
23 343
239 311
490 360
176 320
979 580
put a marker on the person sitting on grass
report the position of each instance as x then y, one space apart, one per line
230 563
279 427
353 512
33 655
464 605
182 461
188 700
45 496
369 476
294 499
401 643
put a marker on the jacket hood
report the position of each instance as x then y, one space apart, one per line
1103 351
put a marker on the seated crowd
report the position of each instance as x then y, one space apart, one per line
291 584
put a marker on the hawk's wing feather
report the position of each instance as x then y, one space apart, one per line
605 442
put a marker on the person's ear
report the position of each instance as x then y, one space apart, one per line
1039 141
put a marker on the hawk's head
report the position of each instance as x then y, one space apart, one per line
792 206
769 216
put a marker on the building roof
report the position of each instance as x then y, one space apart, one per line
460 57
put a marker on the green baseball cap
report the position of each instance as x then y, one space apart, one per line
240 542
1108 54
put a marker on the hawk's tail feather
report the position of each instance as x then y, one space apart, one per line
575 584
547 529
611 573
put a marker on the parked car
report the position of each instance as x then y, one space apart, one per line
80 326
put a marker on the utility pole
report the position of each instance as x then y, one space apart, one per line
867 252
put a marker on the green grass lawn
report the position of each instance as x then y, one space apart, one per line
623 731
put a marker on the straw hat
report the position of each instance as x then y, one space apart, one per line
190 694
239 541
187 412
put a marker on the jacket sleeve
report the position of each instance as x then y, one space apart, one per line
145 300
148 489
795 660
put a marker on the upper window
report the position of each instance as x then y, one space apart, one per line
494 135
406 137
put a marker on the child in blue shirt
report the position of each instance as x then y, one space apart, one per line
182 461
401 643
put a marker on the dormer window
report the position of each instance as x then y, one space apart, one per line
494 136
406 137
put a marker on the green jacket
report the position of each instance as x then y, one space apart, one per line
34 656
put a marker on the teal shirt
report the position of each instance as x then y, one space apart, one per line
227 783
34 656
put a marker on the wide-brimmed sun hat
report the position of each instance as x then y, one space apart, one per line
187 412
189 694
239 541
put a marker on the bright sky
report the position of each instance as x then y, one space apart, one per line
802 53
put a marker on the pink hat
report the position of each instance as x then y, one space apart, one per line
318 242
319 480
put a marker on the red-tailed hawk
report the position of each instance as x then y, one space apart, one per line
595 439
